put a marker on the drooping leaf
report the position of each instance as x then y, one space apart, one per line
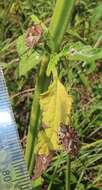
41 164
33 35
56 107
28 58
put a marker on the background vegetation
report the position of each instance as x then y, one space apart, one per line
83 78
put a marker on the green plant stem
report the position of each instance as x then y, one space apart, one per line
52 178
41 85
79 180
68 167
60 21
54 172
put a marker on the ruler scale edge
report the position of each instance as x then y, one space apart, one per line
13 170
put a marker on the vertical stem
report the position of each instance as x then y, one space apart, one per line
60 19
68 168
41 84
54 172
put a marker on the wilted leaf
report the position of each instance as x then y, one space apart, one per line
56 108
41 164
33 35
69 138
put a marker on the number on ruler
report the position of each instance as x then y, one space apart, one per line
6 175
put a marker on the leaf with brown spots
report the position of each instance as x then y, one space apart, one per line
33 35
41 164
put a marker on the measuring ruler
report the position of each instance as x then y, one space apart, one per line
13 171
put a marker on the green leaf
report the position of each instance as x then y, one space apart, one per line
97 14
81 187
76 52
73 178
80 52
28 58
56 107
36 183
36 20
21 47
54 58
28 62
74 46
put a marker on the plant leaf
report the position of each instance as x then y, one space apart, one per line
28 58
36 183
28 62
80 52
21 47
54 58
36 20
97 14
56 107
76 52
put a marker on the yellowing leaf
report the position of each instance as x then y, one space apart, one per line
56 108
